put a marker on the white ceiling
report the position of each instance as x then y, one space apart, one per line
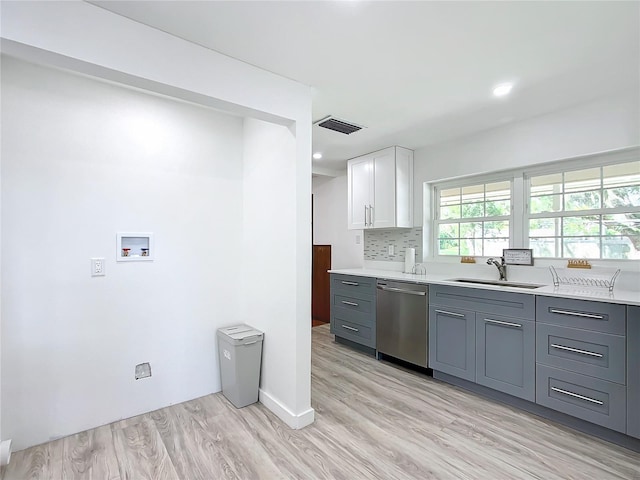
417 73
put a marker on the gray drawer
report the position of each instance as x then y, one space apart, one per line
365 303
353 284
355 332
583 351
508 304
353 316
591 399
598 316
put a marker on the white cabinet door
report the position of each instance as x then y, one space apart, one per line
384 190
360 192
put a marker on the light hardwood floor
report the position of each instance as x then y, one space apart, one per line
373 421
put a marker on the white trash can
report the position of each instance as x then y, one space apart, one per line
240 354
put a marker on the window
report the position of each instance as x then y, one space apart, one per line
586 207
587 213
473 219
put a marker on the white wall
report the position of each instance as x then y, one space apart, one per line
330 222
82 160
271 265
81 37
598 126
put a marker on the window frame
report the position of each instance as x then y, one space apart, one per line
520 199
468 182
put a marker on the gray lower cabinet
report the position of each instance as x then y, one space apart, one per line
581 357
505 355
633 371
353 309
452 347
592 399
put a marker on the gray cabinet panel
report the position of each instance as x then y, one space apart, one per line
507 304
353 308
505 355
452 341
633 371
591 399
588 315
583 351
353 283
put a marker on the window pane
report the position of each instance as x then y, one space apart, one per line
474 193
447 213
472 210
470 246
544 247
621 224
471 230
546 184
450 196
496 229
544 227
448 230
621 197
448 246
621 174
498 208
580 180
494 246
584 247
582 200
625 247
546 203
498 191
581 226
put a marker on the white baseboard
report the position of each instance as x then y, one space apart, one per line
5 452
283 413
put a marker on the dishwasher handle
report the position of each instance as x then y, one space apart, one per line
401 290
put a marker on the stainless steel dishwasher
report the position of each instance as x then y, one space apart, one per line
402 321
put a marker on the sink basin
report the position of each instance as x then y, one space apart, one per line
499 283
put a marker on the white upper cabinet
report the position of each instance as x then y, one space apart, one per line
380 189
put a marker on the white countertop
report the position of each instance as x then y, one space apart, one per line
627 297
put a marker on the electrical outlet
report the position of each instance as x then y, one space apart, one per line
97 267
357 239
391 249
143 370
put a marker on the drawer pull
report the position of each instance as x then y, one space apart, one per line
576 350
577 314
581 397
353 304
444 312
355 284
350 328
506 324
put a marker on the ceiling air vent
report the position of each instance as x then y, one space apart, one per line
336 125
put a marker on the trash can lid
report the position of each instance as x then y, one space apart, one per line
240 334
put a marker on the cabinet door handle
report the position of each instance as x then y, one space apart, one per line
350 328
575 395
577 314
371 219
444 312
506 324
353 304
365 215
344 282
576 350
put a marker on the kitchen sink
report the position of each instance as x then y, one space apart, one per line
499 283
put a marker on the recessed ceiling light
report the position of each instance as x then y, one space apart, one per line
317 156
502 89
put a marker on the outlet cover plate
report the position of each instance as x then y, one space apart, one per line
97 267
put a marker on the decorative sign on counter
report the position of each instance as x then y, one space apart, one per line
518 256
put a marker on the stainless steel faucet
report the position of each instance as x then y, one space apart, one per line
502 267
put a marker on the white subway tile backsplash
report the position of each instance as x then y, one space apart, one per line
376 244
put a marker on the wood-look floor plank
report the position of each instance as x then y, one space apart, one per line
42 462
141 453
374 420
90 455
